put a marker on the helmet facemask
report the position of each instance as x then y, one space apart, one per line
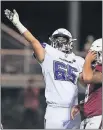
99 57
97 47
98 60
62 43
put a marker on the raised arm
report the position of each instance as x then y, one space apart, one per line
89 75
37 47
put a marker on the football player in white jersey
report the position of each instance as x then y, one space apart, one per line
60 68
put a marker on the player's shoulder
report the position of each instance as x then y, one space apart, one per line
79 59
51 51
46 46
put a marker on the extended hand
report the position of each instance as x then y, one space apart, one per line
12 16
74 112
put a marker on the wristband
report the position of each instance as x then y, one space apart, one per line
20 27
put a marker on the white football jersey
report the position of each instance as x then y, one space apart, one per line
60 75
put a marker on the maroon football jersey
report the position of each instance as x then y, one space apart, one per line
93 99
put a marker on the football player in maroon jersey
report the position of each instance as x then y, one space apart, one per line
92 76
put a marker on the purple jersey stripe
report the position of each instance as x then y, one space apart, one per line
43 44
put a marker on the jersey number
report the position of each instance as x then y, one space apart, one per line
64 72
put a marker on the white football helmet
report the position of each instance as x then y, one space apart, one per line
97 47
61 39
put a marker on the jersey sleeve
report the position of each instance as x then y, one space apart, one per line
48 54
49 49
43 45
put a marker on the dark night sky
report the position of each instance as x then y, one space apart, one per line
42 18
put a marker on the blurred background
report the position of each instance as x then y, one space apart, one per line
22 85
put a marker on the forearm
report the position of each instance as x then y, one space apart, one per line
87 71
32 40
29 37
26 33
37 47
